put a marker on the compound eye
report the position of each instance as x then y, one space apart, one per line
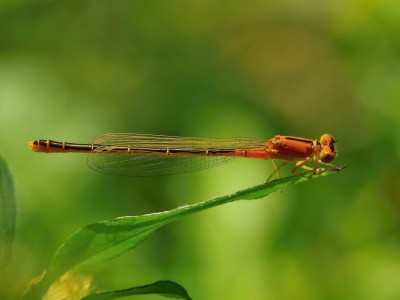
327 155
328 152
326 139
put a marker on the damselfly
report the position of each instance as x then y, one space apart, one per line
150 155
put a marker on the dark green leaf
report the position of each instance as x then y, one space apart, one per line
7 214
165 288
7 230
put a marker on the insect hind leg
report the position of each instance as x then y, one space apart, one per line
301 164
277 168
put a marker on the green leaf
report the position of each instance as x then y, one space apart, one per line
165 288
8 213
104 240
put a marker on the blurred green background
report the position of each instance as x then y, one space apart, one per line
72 70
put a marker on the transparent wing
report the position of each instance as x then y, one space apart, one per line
155 161
149 165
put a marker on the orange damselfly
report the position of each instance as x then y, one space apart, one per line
150 155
